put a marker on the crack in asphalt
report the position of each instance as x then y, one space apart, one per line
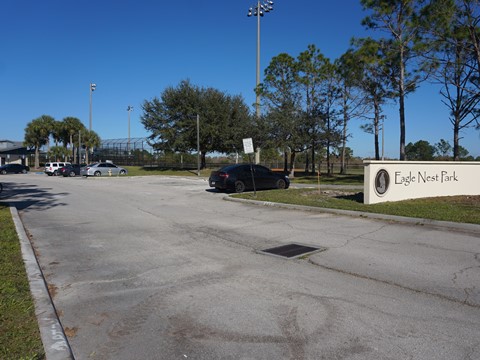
469 291
391 283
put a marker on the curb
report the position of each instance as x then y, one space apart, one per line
473 228
55 343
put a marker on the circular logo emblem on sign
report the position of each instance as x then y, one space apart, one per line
382 182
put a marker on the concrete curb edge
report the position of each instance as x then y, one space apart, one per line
55 343
474 228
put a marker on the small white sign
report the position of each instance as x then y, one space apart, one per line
248 146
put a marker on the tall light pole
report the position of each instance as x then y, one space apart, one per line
92 89
259 10
129 109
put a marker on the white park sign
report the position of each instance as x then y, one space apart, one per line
401 180
248 146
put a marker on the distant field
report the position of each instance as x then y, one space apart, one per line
354 177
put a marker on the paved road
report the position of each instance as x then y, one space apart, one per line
161 268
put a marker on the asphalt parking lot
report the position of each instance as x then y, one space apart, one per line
163 268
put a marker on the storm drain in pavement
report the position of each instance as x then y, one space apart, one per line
291 250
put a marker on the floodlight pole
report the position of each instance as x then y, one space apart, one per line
92 89
257 100
259 10
129 109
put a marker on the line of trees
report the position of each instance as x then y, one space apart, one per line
309 100
435 40
422 150
39 131
313 99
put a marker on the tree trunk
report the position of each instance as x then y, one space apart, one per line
473 30
344 136
344 144
376 122
313 158
203 156
401 100
73 148
456 131
307 160
37 157
285 161
329 171
292 163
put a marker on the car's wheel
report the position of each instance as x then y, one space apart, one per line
122 172
24 171
49 174
71 173
55 173
239 186
97 173
4 172
281 184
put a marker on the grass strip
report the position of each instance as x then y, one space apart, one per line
461 209
145 171
19 333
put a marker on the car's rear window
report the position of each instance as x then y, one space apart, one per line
234 168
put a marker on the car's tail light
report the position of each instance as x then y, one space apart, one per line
223 175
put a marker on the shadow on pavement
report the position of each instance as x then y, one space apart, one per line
27 196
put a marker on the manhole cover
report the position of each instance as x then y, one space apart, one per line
291 250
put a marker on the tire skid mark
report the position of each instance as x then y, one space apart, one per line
141 312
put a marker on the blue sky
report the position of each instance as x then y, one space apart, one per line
133 49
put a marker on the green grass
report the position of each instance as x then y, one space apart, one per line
350 179
463 209
19 333
141 171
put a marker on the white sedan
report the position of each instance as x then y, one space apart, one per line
103 169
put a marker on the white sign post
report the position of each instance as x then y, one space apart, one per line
248 149
248 146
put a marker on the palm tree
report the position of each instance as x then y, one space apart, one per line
56 132
71 127
37 134
91 140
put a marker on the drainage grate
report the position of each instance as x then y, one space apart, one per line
291 250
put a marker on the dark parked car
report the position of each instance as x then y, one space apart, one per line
238 178
70 170
14 169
